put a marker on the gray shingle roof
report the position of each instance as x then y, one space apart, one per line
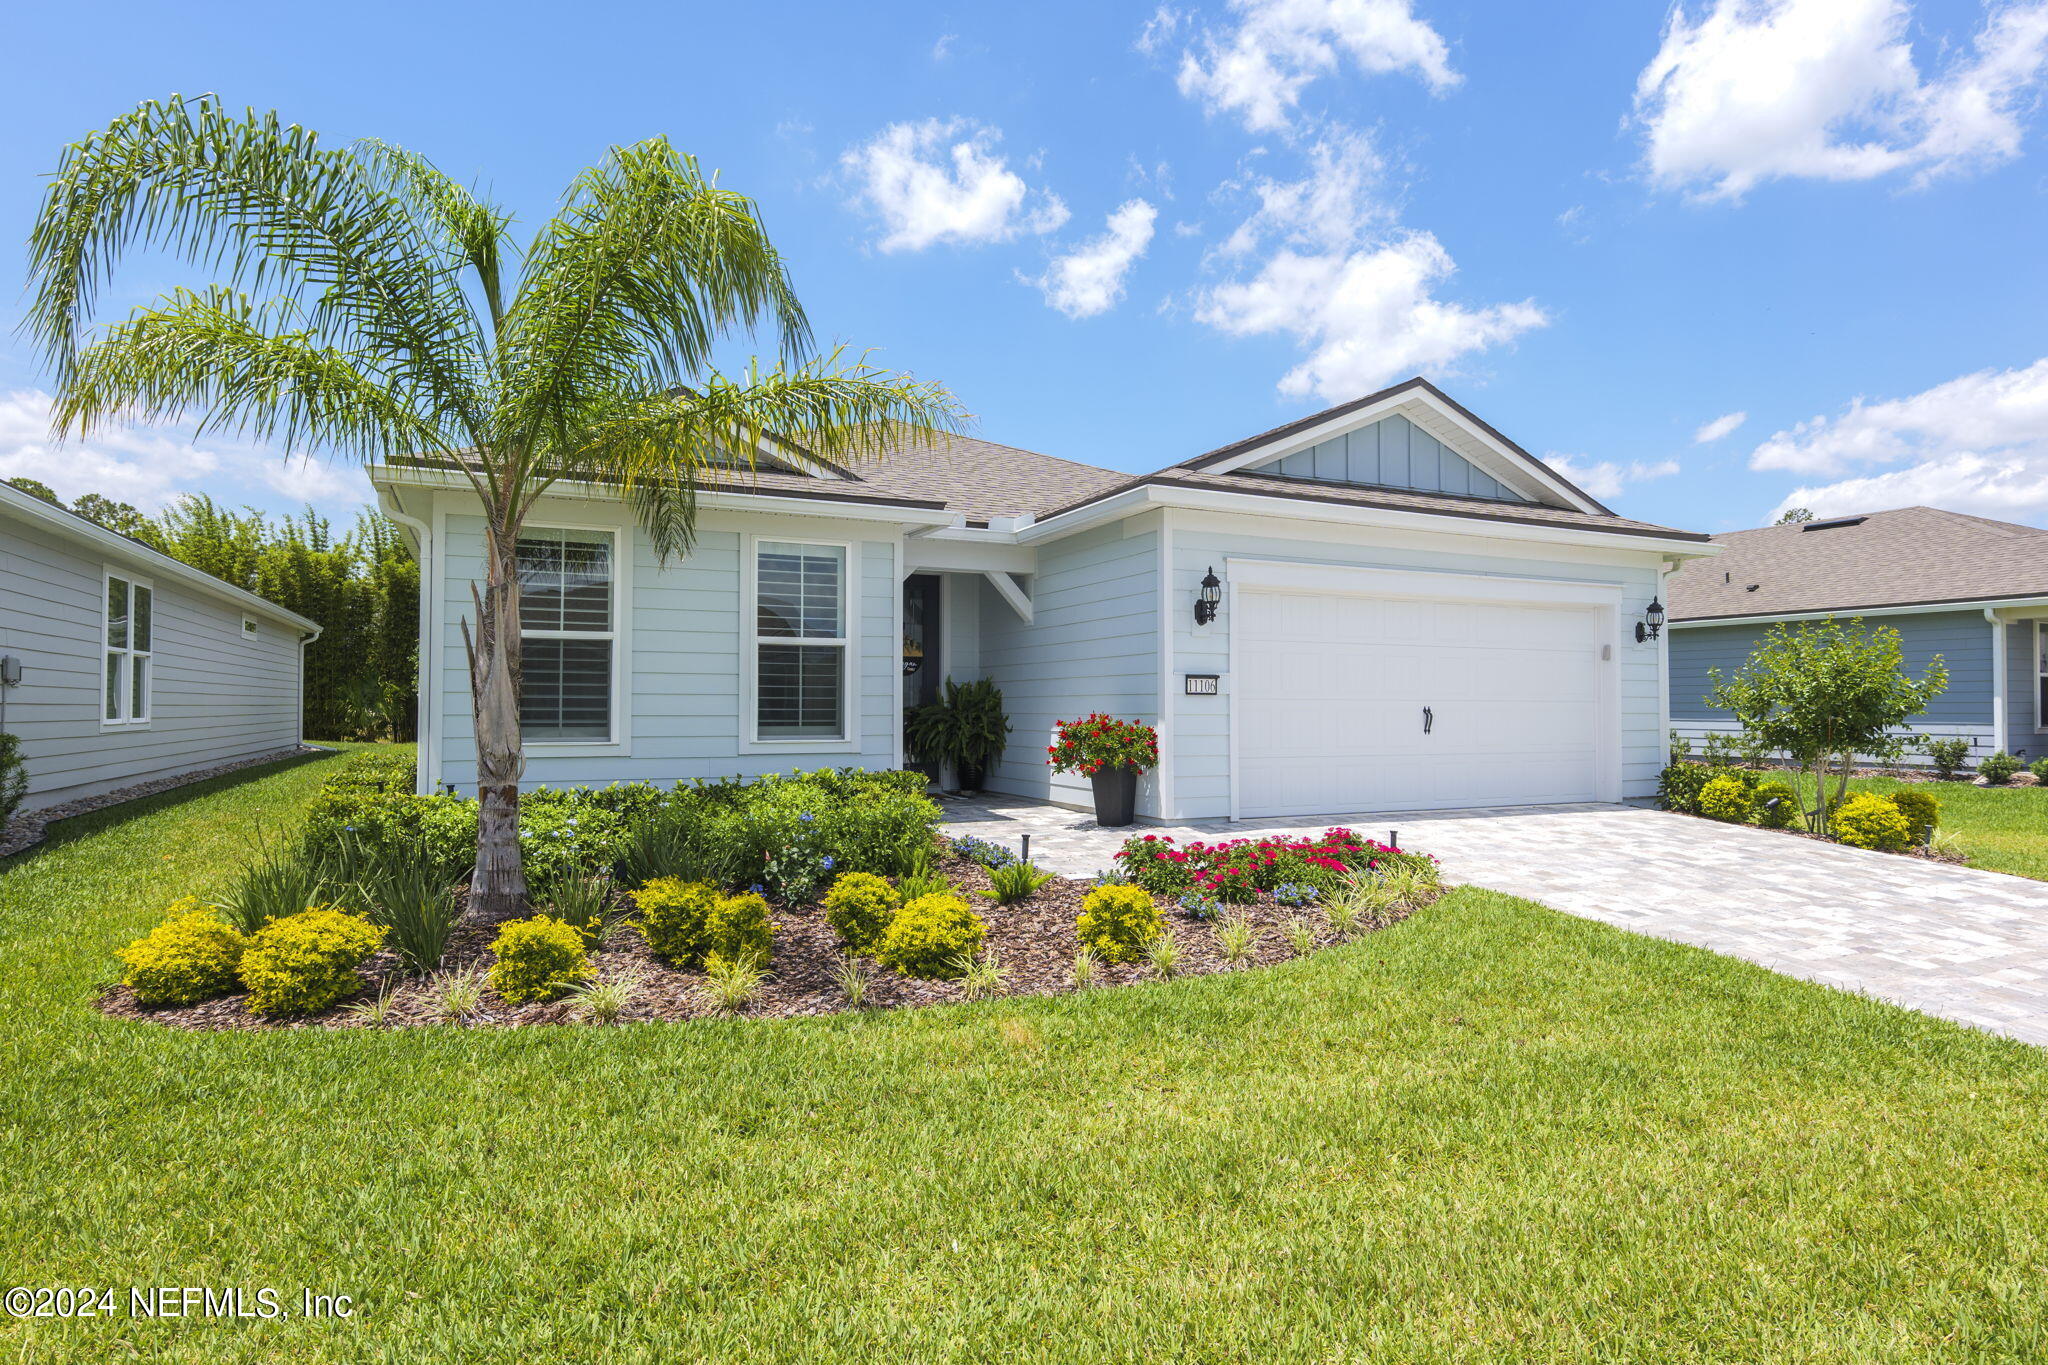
1905 557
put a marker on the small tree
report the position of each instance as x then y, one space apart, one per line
1823 692
1794 515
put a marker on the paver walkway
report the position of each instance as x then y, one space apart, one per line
1952 941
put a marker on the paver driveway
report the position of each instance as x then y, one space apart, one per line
1967 945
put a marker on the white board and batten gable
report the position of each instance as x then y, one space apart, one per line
1411 437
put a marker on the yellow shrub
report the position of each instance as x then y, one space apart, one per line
305 962
1921 810
673 916
1118 923
859 907
737 928
929 935
1728 799
1781 816
537 959
190 957
1870 821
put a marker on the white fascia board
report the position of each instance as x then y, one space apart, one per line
1217 500
73 527
1985 604
1521 471
383 476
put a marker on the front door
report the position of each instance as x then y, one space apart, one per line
921 648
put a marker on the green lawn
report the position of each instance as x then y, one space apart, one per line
2002 829
1491 1133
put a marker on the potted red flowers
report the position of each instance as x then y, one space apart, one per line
1112 753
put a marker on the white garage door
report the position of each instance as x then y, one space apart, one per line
1355 703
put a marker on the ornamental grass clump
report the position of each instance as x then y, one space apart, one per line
1119 922
537 959
673 915
1236 937
1015 882
604 1002
1728 799
1867 820
303 963
928 936
192 956
590 904
859 907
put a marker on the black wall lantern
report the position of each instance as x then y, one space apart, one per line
1209 600
1652 624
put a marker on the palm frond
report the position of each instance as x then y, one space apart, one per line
279 214
630 286
244 369
663 449
474 232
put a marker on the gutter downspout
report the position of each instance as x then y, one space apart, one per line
1999 681
428 767
305 640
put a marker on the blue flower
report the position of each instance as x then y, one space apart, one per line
806 817
757 888
828 862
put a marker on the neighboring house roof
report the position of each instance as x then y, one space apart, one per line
1907 557
82 530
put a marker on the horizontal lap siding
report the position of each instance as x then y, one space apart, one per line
1093 646
1201 725
1962 638
682 655
216 697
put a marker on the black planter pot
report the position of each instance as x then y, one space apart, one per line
970 775
1116 796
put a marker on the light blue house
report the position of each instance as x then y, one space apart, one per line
1413 613
1972 590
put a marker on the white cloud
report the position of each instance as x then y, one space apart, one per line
1982 413
1367 315
1159 30
1606 479
1327 209
943 48
1977 443
943 181
151 466
1721 426
1259 69
1090 279
1752 90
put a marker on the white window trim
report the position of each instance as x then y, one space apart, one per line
2038 672
108 573
620 636
751 641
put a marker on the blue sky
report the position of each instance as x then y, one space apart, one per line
1712 259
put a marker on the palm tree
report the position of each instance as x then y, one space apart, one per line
371 308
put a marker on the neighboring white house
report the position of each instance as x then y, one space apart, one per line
1415 613
134 666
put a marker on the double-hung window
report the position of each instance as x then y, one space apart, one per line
799 641
568 637
130 607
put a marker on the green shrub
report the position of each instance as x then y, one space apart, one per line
191 956
1947 756
1015 882
305 962
378 772
2040 769
673 915
13 778
1998 768
1867 820
1922 811
859 907
1679 786
590 904
282 879
406 889
537 959
928 936
443 826
1727 799
738 929
1119 922
564 838
1781 816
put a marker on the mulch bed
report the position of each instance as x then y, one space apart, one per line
1035 939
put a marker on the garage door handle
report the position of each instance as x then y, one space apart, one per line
1428 719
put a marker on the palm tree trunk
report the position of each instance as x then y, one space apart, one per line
498 889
